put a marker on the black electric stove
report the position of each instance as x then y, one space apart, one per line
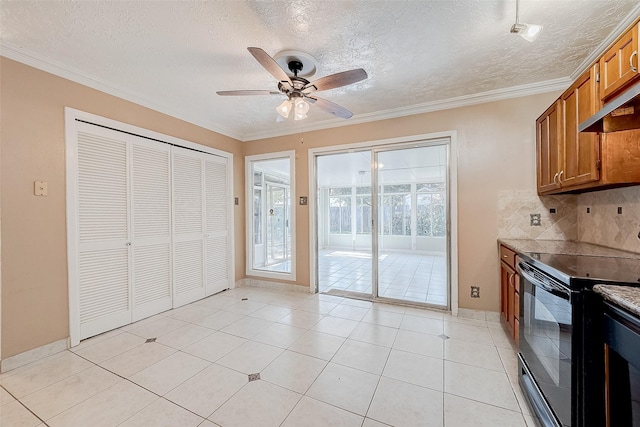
561 353
576 271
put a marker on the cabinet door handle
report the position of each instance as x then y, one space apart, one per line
634 69
511 277
555 178
560 177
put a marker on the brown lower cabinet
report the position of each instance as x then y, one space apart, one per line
509 291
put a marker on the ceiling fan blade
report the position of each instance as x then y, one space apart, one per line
246 92
330 107
269 64
336 80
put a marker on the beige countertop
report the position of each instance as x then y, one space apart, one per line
624 296
564 247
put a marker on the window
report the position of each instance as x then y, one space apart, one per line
363 214
396 210
340 215
430 210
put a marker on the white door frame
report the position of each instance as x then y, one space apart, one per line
72 116
452 136
248 161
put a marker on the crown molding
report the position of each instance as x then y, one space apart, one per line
427 107
608 41
45 64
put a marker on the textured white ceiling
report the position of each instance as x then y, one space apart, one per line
174 55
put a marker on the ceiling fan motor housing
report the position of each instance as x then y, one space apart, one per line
295 67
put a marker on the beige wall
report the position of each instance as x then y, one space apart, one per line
496 152
34 263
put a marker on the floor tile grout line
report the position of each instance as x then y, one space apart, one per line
331 360
23 405
142 387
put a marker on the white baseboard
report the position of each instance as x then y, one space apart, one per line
276 286
34 355
490 316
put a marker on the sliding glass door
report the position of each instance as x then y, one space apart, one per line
344 223
382 221
412 243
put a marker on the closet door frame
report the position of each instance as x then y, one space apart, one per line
72 117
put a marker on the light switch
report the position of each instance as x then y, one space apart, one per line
41 188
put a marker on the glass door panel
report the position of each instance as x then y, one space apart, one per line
277 248
412 242
344 222
271 213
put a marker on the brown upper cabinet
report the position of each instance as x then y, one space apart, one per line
548 137
579 163
566 157
619 64
573 161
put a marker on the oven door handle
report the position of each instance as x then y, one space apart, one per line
549 287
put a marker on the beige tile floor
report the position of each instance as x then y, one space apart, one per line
405 276
323 361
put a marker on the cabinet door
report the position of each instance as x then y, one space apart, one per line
581 151
619 65
548 141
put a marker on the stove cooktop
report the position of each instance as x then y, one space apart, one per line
575 270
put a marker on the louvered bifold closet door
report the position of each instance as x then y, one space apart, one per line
188 226
217 245
103 230
150 227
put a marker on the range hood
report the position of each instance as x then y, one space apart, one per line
622 113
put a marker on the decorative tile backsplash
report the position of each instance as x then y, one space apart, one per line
525 215
603 225
588 217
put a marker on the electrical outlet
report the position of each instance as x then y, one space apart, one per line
236 201
475 292
552 210
619 210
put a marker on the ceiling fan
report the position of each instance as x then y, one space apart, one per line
298 89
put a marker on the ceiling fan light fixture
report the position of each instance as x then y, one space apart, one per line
529 32
301 106
301 109
285 108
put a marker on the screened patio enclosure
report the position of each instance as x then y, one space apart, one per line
410 231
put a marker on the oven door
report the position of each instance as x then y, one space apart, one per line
545 345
